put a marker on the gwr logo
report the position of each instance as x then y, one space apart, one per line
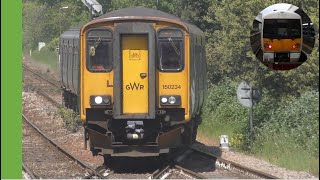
134 86
134 54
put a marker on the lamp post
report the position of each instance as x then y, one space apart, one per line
64 7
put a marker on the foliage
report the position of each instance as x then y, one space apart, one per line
71 119
222 113
45 20
53 44
298 120
32 25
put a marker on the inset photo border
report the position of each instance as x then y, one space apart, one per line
282 36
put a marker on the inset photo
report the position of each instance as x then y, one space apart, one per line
282 36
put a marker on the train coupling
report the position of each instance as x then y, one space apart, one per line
108 112
135 130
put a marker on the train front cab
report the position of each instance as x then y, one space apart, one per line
281 37
135 88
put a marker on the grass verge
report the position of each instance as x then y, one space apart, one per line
45 56
284 152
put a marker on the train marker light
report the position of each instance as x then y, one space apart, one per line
98 100
172 100
269 46
294 46
106 100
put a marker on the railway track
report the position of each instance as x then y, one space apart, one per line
55 84
177 171
29 171
40 91
170 169
94 172
231 166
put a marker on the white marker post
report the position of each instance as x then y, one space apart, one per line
224 142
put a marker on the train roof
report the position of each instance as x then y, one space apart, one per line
281 15
284 7
139 11
71 33
147 13
276 7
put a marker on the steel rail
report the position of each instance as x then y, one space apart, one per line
157 174
192 173
100 169
61 149
29 172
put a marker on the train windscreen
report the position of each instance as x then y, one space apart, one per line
282 28
99 50
170 50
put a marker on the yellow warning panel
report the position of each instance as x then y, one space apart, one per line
134 74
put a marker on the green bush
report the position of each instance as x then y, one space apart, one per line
71 119
54 43
222 113
289 136
298 120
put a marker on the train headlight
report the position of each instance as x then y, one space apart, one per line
164 100
100 100
269 46
172 100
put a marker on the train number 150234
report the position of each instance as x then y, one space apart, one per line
171 86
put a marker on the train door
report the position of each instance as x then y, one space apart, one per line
134 50
134 71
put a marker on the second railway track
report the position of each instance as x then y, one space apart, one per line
197 164
52 82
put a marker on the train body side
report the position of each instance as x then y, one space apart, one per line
69 67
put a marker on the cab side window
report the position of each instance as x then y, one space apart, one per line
170 50
99 50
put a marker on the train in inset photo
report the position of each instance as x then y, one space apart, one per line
282 36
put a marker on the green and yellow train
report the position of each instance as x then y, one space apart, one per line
137 77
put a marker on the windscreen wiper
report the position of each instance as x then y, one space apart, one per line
174 46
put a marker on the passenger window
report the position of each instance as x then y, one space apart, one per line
99 50
170 50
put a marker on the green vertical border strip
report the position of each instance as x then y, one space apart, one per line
11 87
